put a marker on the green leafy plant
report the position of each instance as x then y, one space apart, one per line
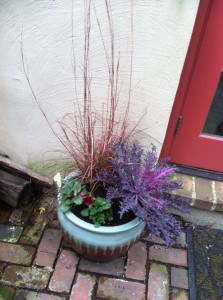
70 193
99 212
73 193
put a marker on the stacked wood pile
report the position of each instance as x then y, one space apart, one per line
17 183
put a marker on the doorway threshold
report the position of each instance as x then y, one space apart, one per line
199 172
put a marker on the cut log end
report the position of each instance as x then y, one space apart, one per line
13 189
17 183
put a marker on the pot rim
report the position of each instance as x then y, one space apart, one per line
102 229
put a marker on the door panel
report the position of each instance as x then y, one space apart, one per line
195 144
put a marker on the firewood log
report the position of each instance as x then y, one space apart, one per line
14 189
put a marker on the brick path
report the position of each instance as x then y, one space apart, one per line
36 263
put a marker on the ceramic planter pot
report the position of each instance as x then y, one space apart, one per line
101 244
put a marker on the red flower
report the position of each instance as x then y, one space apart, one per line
88 199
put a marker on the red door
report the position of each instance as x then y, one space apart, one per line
196 123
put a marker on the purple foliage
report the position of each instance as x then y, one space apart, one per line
144 186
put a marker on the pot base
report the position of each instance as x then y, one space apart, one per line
99 255
101 244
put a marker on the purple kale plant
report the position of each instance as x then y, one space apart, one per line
145 186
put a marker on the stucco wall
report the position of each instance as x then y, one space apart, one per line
162 31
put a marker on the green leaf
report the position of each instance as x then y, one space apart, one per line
107 205
76 187
100 218
97 225
64 207
78 200
69 201
77 183
66 190
70 185
85 212
93 211
84 190
100 199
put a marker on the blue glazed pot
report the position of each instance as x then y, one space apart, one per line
101 244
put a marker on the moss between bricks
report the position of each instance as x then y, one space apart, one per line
165 273
6 293
32 233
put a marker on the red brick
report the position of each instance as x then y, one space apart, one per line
65 270
219 190
16 254
219 194
26 277
48 247
179 278
136 263
179 295
83 287
116 267
204 204
154 239
170 256
158 284
111 288
204 193
187 186
180 241
28 295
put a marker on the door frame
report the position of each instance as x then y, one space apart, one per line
204 9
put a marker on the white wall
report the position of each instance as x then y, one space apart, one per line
162 31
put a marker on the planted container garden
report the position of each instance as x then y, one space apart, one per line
136 188
117 179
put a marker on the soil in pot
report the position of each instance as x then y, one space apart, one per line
127 217
101 192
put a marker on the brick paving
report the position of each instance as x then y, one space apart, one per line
37 263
